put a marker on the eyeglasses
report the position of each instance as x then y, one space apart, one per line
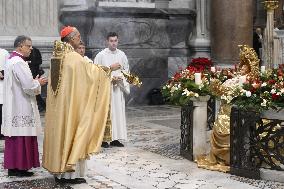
29 46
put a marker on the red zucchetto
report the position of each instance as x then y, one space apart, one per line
66 31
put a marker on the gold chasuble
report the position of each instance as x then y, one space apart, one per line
77 111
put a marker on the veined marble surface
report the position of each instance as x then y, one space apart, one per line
150 159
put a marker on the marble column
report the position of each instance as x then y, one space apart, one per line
231 25
268 40
268 46
200 42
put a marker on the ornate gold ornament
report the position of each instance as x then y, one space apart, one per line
59 50
249 57
132 79
271 5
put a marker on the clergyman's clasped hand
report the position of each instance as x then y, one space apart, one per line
116 80
115 66
42 80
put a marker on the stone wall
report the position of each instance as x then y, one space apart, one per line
152 39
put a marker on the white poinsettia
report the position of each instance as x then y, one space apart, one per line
186 92
264 84
174 88
264 102
165 87
200 86
248 94
273 91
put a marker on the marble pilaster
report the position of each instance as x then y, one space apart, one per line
37 19
30 17
231 25
200 42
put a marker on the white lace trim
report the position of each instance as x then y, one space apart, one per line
23 121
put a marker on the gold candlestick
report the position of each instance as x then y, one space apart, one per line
271 4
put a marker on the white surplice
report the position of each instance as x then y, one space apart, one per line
106 58
20 113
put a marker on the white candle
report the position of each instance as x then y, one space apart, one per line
262 69
197 78
242 80
213 69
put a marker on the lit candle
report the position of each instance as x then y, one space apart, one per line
197 78
213 69
262 69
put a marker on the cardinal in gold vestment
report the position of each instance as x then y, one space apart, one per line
77 114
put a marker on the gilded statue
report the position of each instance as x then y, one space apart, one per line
218 158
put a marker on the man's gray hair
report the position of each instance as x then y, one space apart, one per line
20 40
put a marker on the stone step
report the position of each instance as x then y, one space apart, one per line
272 175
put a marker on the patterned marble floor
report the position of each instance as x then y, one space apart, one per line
150 160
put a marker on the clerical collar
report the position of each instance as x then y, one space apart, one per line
113 52
15 53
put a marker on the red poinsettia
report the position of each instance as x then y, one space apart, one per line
201 63
177 76
191 69
271 81
275 96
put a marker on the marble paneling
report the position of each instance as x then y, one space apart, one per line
147 36
33 18
29 17
175 64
